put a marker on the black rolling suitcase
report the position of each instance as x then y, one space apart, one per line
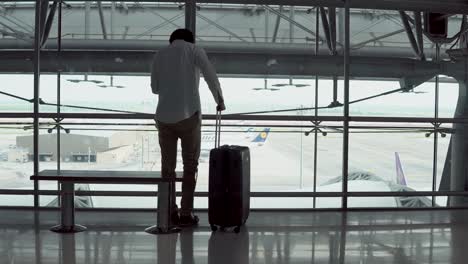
229 184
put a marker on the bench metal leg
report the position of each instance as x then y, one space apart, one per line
67 211
164 224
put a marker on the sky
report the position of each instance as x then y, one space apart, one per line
239 95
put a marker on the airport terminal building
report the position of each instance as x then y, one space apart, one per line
352 116
74 147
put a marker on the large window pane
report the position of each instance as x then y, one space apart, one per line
326 98
381 153
329 163
16 90
243 95
98 93
390 161
15 165
416 103
17 200
444 157
448 98
133 94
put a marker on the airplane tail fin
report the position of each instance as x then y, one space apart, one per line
262 136
400 175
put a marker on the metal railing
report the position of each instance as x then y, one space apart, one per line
286 122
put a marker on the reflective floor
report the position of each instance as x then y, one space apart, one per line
269 237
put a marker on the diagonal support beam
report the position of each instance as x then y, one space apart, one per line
362 44
419 34
166 22
43 15
87 19
292 21
332 20
291 26
112 20
326 27
410 34
211 22
329 27
49 22
252 33
18 34
125 33
372 34
101 17
18 24
277 23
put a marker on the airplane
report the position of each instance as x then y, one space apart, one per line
363 181
400 175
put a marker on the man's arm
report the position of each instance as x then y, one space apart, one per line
154 76
209 73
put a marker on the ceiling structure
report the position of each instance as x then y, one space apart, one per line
260 38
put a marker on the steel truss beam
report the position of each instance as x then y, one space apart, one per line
228 63
446 6
213 47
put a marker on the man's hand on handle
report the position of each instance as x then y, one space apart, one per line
221 107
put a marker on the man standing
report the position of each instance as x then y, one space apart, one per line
175 77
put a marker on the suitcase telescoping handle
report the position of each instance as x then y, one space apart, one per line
218 129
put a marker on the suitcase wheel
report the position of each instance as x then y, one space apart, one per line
214 228
237 229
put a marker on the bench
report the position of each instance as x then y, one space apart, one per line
68 178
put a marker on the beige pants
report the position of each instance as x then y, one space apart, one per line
189 132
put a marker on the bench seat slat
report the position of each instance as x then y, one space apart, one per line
103 176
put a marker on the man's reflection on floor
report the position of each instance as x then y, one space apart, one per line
186 246
167 247
224 247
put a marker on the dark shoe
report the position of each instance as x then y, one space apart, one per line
188 220
175 219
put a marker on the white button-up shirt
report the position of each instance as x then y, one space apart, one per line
175 76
